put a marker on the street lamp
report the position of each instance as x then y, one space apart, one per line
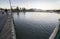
10 6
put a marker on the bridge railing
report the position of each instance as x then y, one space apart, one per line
53 35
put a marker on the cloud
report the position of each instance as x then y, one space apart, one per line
41 4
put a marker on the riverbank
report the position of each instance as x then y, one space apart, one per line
39 12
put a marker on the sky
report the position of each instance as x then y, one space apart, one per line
38 4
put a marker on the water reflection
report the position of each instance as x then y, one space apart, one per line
17 13
21 12
35 25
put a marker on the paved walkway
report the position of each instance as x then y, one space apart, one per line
5 28
3 19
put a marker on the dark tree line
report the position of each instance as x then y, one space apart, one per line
17 9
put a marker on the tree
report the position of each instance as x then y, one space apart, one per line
24 9
17 9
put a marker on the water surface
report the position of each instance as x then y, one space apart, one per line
35 25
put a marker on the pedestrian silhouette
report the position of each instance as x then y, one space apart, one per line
6 11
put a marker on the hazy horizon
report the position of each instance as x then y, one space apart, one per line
38 4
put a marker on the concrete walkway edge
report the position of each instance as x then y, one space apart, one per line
13 30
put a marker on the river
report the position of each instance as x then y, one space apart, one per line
35 25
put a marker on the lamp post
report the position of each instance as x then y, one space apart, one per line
10 3
10 6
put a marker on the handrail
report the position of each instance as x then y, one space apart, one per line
53 35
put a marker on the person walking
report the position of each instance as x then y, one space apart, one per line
6 11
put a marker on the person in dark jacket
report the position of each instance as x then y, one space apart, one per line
6 11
